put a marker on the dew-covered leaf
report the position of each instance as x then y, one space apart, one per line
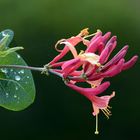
17 90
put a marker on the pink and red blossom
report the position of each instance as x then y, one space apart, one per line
91 66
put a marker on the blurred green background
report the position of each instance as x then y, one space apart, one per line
59 113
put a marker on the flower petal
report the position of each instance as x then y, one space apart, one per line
92 58
95 83
74 41
89 92
101 102
71 48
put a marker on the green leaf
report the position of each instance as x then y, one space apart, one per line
6 37
17 90
9 50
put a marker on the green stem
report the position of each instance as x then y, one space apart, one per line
23 67
43 70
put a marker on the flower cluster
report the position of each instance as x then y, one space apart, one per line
91 66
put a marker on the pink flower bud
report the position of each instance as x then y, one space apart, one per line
94 45
130 63
121 54
114 70
106 37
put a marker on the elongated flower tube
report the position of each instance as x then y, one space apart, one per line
92 66
98 103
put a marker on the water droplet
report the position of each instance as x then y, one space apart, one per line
15 96
28 77
21 71
17 77
3 33
11 70
26 82
4 70
18 56
7 94
16 88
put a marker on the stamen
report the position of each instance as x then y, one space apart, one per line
81 52
93 86
96 130
83 32
98 64
109 107
107 112
92 34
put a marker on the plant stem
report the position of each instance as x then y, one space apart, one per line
44 70
41 69
23 67
55 73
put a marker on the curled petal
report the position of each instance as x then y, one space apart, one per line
59 56
71 48
56 45
101 102
89 92
130 63
74 41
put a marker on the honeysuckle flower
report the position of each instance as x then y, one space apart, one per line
92 66
98 103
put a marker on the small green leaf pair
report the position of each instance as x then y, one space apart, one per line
17 90
4 42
